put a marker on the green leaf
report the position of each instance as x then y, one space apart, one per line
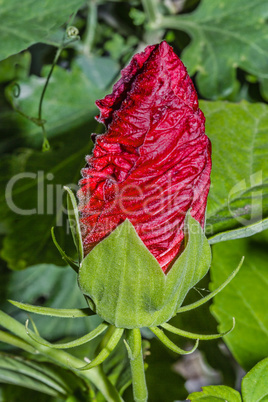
51 287
240 233
69 100
13 393
215 393
161 367
23 24
225 37
15 67
254 384
238 197
264 88
15 341
33 200
244 298
127 284
63 359
98 70
39 376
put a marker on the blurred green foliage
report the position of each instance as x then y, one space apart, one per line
224 46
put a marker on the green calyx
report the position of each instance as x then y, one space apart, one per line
126 283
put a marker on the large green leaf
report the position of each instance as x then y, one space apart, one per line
33 200
254 388
264 88
98 70
39 376
13 393
239 181
15 67
49 286
25 23
170 386
245 298
254 384
240 233
69 100
225 36
216 393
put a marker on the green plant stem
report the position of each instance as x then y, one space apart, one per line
95 376
92 18
154 33
46 145
152 12
56 58
41 122
137 366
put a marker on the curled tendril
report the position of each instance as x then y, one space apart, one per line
72 32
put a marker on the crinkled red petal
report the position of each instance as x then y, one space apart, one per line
153 164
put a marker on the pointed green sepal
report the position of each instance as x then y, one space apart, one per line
169 344
205 299
54 312
73 215
65 257
191 335
77 342
127 284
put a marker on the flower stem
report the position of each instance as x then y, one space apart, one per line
137 365
154 33
73 37
41 121
151 10
91 26
46 145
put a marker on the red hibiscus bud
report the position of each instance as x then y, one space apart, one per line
153 163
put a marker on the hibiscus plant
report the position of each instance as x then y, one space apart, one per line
146 259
